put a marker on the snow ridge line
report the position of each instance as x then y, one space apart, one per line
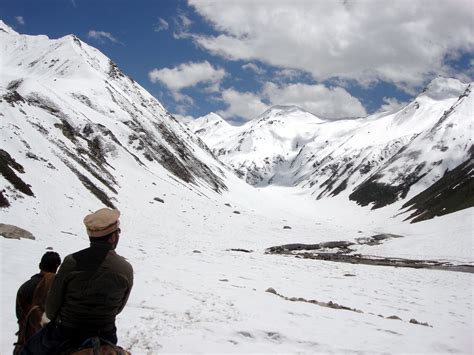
334 305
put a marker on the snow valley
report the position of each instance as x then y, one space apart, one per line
291 233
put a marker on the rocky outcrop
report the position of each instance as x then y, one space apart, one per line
10 231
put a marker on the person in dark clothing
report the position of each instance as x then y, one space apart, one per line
90 290
31 299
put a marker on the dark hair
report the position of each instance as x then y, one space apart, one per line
104 238
50 262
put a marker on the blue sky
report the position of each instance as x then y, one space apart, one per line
335 59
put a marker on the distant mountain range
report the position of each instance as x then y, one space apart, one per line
73 124
377 160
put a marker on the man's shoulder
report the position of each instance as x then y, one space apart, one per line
119 259
31 283
120 262
69 260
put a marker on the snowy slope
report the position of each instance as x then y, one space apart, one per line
260 148
68 109
375 160
212 126
79 135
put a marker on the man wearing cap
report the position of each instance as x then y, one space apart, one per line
91 287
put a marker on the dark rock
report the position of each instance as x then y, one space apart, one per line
32 156
287 227
349 275
10 231
7 167
3 200
13 97
196 252
381 194
239 249
292 247
236 212
271 290
159 199
414 321
67 130
89 185
383 236
14 84
228 205
114 71
336 244
451 193
224 280
246 334
394 317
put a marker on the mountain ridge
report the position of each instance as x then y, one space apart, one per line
72 101
376 160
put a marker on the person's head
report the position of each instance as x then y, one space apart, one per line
103 226
50 262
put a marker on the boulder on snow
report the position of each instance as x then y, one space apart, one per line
236 212
240 249
10 231
287 227
271 290
414 321
159 199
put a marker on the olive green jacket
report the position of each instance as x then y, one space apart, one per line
91 287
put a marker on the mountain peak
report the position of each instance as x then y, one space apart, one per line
281 110
212 119
285 113
442 88
5 28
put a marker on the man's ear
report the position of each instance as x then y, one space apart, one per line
115 237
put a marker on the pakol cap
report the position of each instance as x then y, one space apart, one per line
102 222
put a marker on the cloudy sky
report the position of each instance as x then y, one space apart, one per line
340 58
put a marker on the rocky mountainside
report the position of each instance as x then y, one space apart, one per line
377 160
69 114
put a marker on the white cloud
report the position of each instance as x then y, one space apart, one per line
322 101
403 41
102 36
162 25
254 67
246 105
184 21
188 75
331 103
289 73
391 104
20 20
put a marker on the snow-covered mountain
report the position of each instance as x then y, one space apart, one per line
375 160
68 112
77 134
263 147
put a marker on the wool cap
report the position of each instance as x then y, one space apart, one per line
102 222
